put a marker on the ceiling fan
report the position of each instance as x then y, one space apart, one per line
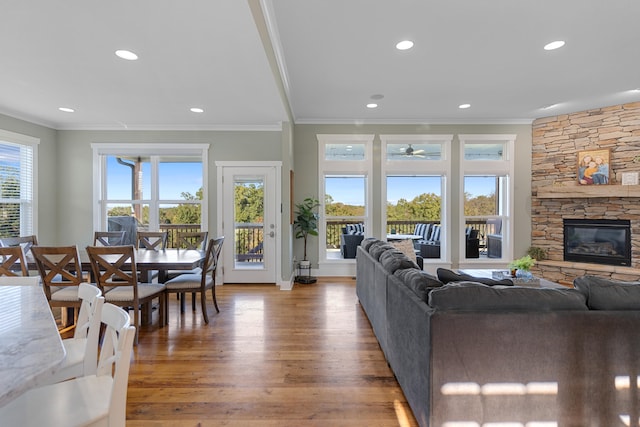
410 152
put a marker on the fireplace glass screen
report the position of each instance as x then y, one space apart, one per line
597 241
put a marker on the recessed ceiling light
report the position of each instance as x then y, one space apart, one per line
554 45
372 105
126 54
404 45
67 109
548 107
463 106
377 96
196 110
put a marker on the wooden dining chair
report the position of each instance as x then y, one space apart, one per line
98 399
192 240
61 274
25 241
201 282
114 269
108 238
82 348
151 240
12 261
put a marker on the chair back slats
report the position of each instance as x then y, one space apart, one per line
12 261
26 242
195 240
210 263
114 359
152 240
113 266
59 266
108 238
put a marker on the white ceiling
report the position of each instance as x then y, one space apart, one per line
323 59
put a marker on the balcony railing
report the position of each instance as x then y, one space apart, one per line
334 229
248 242
173 230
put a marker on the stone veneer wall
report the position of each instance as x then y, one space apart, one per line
556 141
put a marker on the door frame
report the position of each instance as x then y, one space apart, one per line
277 165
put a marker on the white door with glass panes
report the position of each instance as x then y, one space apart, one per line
250 223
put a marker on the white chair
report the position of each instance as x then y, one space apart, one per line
98 399
114 270
82 349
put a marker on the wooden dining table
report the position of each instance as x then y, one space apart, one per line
30 345
149 260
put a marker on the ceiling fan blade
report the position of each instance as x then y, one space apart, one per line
418 152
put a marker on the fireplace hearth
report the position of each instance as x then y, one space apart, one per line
598 241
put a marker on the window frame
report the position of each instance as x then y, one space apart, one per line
154 152
29 189
326 168
427 167
482 167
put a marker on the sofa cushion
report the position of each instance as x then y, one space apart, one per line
406 247
447 276
472 296
420 282
393 260
375 250
608 294
366 243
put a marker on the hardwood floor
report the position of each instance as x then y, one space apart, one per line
305 357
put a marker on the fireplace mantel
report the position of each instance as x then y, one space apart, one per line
585 191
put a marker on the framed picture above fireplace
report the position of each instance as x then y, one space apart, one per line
593 167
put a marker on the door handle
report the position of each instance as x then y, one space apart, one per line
272 234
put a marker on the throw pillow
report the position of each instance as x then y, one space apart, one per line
447 276
406 246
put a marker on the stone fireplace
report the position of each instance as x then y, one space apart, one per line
556 195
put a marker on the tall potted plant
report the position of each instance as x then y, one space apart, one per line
305 222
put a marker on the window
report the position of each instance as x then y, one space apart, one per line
345 168
151 187
487 169
415 170
17 183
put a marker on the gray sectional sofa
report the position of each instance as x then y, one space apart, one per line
468 353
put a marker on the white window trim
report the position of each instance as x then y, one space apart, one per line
440 167
20 139
343 167
101 149
505 166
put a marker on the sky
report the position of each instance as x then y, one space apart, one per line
175 178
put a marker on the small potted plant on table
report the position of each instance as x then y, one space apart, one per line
521 267
304 225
